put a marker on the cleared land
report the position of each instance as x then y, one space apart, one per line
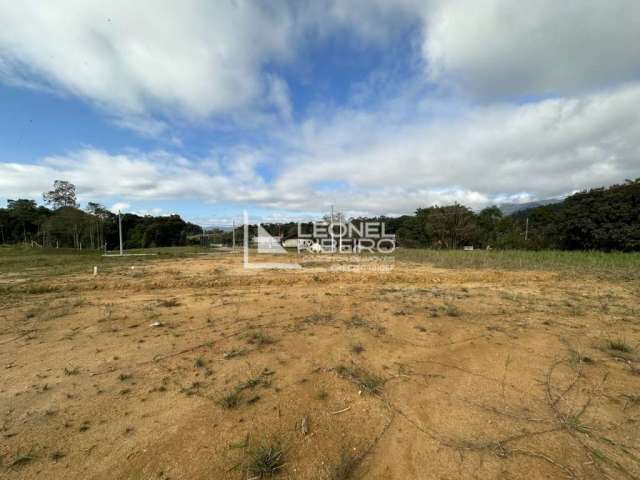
453 365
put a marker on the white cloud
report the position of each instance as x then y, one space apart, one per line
138 176
198 59
501 48
145 126
278 94
119 207
546 148
153 62
490 154
193 57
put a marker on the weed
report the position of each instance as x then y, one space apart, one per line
576 358
262 379
123 377
71 371
230 400
344 468
357 348
573 422
367 381
359 322
21 460
250 383
259 338
200 363
266 460
619 345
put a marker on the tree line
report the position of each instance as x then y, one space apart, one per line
62 223
598 219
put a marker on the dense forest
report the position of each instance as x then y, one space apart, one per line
599 219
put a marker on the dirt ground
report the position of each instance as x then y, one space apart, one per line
196 368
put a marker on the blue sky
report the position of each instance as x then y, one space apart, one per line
208 108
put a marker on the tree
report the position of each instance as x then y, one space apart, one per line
23 218
100 217
411 232
449 226
488 221
165 232
602 218
62 195
68 227
98 210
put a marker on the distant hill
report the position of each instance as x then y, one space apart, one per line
511 208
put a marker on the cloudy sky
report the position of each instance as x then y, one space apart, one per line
205 108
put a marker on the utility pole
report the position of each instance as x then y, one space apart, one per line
526 230
120 232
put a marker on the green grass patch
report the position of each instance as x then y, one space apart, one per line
44 262
615 265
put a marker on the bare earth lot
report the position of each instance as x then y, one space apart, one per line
193 368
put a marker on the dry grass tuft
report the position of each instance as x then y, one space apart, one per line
367 381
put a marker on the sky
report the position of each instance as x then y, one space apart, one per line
287 107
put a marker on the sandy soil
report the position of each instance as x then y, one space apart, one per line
417 373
